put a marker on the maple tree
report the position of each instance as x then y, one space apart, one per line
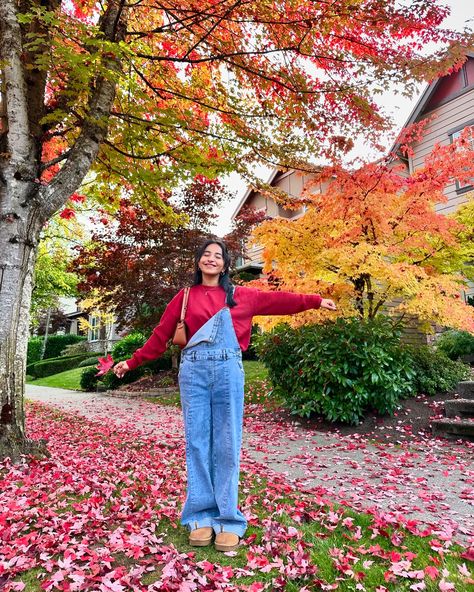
129 100
374 241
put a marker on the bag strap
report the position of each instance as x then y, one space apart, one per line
184 307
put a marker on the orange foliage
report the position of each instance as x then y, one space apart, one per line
374 241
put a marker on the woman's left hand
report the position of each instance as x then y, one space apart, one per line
327 303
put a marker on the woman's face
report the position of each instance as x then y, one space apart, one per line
212 260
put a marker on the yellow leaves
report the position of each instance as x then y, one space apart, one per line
93 305
439 301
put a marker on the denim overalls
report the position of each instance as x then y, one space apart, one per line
211 381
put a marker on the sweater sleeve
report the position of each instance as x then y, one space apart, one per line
162 333
283 303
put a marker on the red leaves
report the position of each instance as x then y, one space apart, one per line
67 213
110 487
104 365
469 554
78 198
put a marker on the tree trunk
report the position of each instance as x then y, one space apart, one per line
18 240
26 203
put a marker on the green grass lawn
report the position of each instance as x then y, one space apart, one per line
254 371
70 379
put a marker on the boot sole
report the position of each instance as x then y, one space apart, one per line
201 543
225 548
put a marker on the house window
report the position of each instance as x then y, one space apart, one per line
94 331
462 187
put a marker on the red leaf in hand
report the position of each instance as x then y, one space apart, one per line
104 365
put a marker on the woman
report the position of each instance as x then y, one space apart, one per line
211 382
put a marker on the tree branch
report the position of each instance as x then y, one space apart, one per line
149 157
58 159
94 128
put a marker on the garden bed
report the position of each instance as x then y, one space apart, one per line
157 385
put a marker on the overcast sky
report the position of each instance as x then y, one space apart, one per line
399 107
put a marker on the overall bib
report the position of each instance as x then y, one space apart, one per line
211 381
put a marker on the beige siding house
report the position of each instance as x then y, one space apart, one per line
448 102
291 182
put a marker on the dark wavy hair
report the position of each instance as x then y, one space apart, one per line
224 278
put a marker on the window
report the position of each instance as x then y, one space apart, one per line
94 331
461 187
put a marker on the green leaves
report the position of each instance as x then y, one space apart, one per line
435 372
340 370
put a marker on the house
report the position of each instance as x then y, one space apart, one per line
101 334
447 102
292 182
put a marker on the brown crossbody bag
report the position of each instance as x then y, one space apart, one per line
180 338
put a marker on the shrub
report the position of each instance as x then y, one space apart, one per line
250 354
340 369
74 349
435 372
89 380
91 361
126 346
55 344
110 381
456 344
123 350
34 350
54 365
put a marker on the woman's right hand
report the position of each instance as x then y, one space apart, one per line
121 369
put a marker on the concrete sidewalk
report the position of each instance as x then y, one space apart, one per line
431 481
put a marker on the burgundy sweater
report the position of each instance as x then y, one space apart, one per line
204 302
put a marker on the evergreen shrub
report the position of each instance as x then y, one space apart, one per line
340 370
54 365
123 350
55 344
435 372
74 349
34 350
456 344
89 380
90 361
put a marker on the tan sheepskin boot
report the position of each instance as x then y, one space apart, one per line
201 537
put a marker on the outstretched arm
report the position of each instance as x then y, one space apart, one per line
156 344
284 303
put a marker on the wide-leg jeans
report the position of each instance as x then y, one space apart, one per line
211 380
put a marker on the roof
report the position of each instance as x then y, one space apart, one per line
251 190
421 104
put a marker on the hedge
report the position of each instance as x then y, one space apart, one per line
456 344
435 372
55 365
56 344
35 345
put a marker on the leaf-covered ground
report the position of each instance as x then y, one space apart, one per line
102 513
